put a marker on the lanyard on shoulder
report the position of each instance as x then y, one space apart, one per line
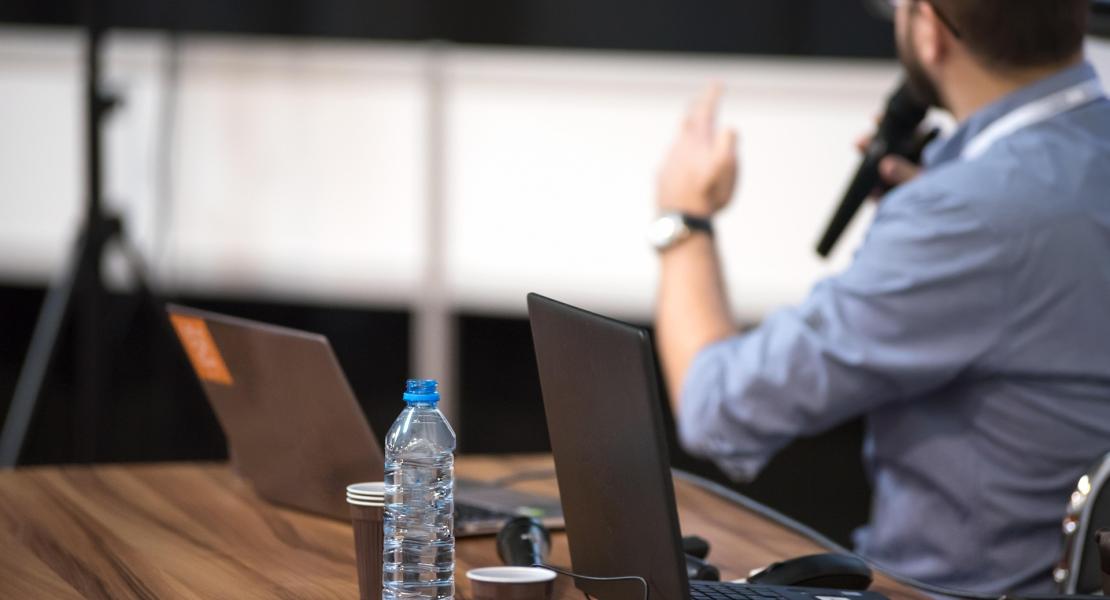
1037 111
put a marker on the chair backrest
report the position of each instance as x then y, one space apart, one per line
1079 571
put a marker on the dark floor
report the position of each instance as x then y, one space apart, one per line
156 410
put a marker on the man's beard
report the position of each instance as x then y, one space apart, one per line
919 82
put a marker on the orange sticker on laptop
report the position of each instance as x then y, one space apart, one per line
201 348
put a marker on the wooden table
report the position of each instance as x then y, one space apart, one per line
197 531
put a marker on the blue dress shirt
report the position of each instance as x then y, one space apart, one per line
973 330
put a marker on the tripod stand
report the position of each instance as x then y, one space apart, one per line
79 289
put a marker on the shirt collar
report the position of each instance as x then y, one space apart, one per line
950 147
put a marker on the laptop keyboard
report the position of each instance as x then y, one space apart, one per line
717 590
471 513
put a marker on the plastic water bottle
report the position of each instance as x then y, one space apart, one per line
419 525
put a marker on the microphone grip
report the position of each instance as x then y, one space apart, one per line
523 542
894 135
865 180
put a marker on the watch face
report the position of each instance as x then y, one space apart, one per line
667 230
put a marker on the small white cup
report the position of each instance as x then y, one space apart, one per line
511 583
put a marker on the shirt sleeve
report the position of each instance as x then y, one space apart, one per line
918 306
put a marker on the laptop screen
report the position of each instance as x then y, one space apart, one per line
293 425
604 416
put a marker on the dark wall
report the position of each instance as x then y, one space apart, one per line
781 27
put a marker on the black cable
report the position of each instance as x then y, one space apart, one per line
574 575
808 532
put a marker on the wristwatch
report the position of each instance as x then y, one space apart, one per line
674 227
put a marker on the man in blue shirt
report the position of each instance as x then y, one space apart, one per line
972 327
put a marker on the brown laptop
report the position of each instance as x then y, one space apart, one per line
294 428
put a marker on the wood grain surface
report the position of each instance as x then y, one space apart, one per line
197 531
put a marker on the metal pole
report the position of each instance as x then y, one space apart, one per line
92 302
433 331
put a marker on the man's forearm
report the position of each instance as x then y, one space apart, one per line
698 177
692 309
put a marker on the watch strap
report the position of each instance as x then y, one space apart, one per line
697 223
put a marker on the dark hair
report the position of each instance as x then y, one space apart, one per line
1010 34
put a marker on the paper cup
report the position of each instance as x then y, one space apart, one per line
511 583
372 503
366 519
371 488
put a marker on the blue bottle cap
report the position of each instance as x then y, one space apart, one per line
422 391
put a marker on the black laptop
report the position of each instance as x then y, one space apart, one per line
605 419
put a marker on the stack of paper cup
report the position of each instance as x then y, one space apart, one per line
366 494
367 501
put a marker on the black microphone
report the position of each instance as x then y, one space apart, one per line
523 542
904 112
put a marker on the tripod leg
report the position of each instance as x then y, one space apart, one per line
44 341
